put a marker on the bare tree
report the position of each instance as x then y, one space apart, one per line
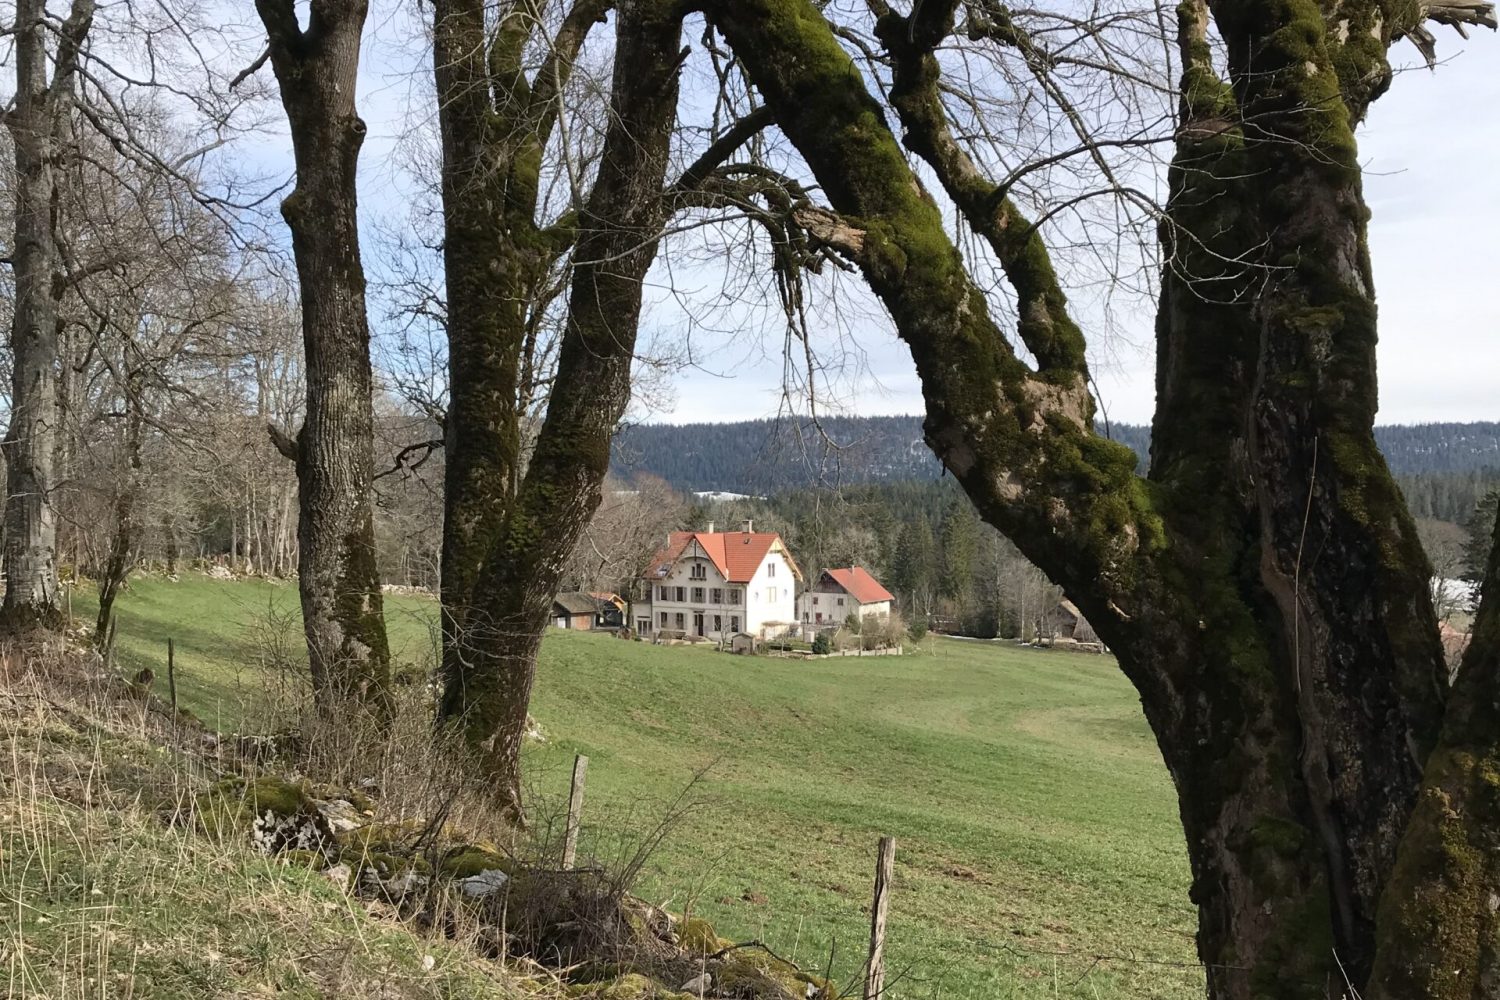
342 608
38 123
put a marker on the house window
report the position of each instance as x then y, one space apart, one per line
679 620
700 572
697 595
716 596
815 602
841 602
770 569
734 597
770 593
661 594
663 619
682 594
734 623
718 623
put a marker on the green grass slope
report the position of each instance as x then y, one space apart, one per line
1038 848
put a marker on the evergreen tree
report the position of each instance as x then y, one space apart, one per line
1481 529
915 567
960 538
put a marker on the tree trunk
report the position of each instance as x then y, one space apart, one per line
37 124
488 677
1263 589
123 546
496 125
339 580
1439 927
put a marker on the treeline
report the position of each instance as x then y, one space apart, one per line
1443 468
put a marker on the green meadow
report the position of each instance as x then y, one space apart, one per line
1038 847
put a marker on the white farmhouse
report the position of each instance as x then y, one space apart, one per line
715 584
839 593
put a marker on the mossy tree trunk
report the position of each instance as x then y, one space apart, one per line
342 608
38 122
1263 585
1439 926
512 567
496 123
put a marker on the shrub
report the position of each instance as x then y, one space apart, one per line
918 629
821 644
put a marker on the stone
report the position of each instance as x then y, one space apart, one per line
697 986
339 875
484 884
341 815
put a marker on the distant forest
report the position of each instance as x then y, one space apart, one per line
1443 468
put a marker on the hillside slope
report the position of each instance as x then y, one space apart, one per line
761 457
1039 853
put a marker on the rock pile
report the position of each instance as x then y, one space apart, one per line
604 942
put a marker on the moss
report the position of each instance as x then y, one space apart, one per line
233 804
754 972
698 937
470 860
631 986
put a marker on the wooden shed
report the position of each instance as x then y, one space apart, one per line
575 611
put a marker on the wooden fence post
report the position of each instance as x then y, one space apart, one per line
875 972
172 673
575 810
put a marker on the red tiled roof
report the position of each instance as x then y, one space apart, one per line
735 554
859 584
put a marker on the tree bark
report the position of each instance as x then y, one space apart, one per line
37 123
489 674
1263 587
123 545
1439 926
495 126
338 578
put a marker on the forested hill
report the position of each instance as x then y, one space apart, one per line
766 456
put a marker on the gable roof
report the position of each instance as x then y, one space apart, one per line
575 603
859 584
735 554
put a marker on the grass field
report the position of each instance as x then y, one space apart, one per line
1038 848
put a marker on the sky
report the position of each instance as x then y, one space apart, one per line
1429 148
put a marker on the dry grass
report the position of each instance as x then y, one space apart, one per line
103 895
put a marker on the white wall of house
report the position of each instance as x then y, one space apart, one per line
769 597
836 606
698 592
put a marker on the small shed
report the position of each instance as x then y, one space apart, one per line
575 611
611 609
744 644
1068 623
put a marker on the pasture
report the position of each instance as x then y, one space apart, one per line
1038 847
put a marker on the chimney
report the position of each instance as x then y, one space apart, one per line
747 525
710 527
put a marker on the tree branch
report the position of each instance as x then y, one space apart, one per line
288 445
